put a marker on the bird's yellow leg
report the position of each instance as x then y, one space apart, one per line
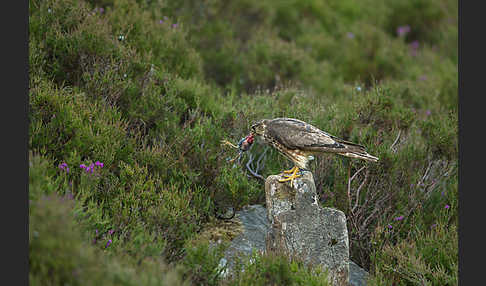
226 142
293 176
289 171
232 160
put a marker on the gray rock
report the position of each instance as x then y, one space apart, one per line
357 275
255 226
300 227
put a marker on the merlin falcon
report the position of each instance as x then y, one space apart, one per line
298 141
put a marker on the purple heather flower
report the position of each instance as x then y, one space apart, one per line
111 231
102 10
350 35
82 166
423 77
174 25
447 207
64 167
442 193
434 225
403 30
161 21
99 164
88 169
399 218
108 243
414 47
96 230
390 226
428 112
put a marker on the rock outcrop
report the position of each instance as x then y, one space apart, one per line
254 224
296 223
300 227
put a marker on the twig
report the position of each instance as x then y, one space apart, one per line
349 184
421 181
355 174
376 208
359 189
396 140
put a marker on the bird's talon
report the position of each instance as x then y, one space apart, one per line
232 160
226 142
295 174
289 178
289 171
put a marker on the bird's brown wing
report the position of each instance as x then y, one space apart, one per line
296 134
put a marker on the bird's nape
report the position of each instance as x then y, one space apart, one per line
258 128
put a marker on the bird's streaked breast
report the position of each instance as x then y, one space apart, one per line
298 157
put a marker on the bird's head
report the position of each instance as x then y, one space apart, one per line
258 128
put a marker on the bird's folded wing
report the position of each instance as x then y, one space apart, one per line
296 134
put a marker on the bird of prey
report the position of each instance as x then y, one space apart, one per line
298 141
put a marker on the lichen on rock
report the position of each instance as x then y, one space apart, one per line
300 227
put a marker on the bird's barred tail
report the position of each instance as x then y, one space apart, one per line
354 150
360 155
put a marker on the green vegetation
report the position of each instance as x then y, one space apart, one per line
140 93
276 269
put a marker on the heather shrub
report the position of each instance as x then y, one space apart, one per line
157 38
427 256
129 102
79 47
236 190
61 252
202 263
275 269
423 17
68 126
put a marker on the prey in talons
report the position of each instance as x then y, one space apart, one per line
243 145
